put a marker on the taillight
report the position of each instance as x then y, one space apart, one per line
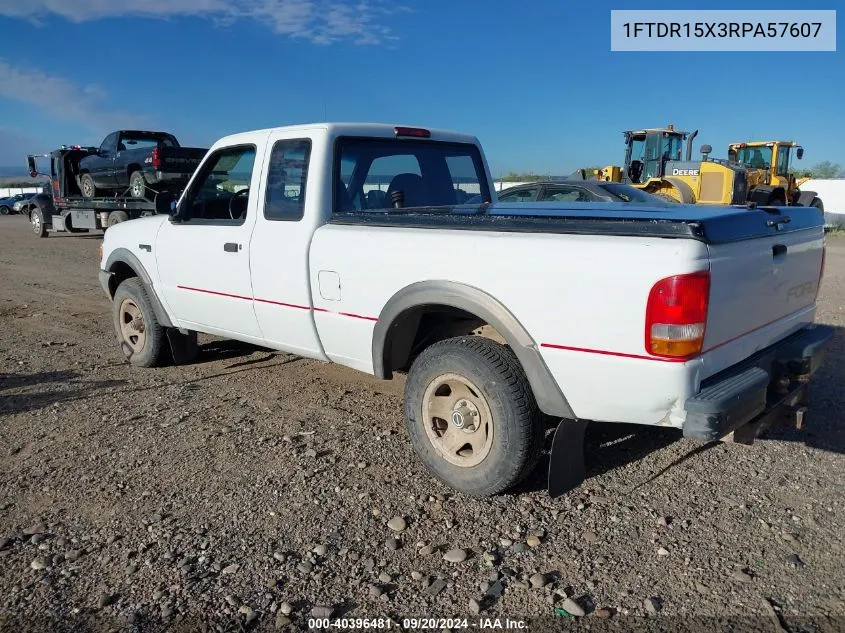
155 159
676 315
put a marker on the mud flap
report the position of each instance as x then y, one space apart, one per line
566 461
183 347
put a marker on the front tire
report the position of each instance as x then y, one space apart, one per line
137 185
36 218
139 334
471 415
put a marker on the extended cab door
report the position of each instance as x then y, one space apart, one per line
203 258
282 241
102 165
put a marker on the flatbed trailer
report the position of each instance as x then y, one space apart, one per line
66 210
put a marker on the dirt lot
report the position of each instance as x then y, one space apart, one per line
251 488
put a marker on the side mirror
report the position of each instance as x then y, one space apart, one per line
164 203
799 153
33 169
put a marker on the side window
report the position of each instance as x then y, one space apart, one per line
220 194
567 194
109 142
286 177
522 195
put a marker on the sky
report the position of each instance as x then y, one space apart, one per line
536 82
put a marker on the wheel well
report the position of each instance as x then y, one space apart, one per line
131 168
121 271
421 326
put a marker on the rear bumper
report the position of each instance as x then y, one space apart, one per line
774 379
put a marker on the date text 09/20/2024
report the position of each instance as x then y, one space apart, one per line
416 623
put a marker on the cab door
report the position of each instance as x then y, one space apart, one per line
280 247
203 256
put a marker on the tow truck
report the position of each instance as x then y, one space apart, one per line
63 208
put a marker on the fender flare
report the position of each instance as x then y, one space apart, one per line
44 203
763 194
127 257
548 394
805 198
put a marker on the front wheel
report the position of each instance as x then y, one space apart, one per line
36 218
139 334
471 415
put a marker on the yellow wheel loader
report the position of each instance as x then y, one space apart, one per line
767 164
654 163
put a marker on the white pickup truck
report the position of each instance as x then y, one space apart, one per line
355 243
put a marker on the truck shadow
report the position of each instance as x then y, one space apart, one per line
11 404
13 381
609 446
227 349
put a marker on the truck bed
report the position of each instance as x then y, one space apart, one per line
711 226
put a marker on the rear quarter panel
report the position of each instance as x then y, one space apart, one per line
581 298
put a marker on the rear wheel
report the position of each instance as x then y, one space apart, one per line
471 415
137 185
818 204
37 220
4 210
86 186
139 334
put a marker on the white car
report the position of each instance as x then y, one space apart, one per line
347 243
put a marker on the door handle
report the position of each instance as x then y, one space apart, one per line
778 250
231 247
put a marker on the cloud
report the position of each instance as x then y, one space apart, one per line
63 99
320 21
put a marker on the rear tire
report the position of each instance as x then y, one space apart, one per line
4 210
116 217
87 187
494 432
818 204
37 220
137 185
139 334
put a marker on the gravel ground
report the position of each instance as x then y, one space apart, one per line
252 490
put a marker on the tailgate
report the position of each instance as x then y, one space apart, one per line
180 159
761 290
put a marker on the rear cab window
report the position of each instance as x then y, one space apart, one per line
380 174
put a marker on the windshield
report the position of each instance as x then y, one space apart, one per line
759 157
